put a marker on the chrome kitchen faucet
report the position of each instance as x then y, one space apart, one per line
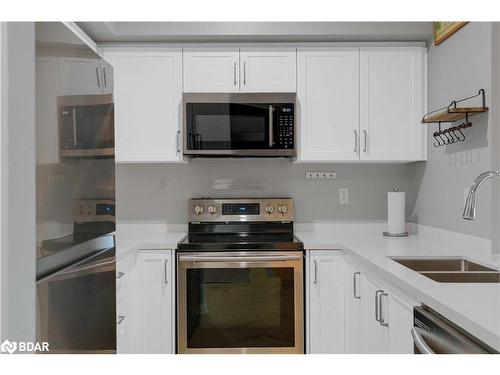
470 202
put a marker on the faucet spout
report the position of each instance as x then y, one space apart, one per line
470 202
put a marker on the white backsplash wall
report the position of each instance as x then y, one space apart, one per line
158 193
458 68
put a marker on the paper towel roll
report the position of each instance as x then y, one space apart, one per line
396 212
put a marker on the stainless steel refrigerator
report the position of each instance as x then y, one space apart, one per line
75 250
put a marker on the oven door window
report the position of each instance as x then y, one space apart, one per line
227 126
240 307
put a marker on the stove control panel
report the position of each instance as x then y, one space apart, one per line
234 210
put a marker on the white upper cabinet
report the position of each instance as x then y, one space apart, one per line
230 70
87 80
148 96
268 70
210 70
328 104
392 103
361 104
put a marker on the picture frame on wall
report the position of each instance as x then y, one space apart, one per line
444 29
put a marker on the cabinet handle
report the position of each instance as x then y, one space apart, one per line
234 73
97 76
104 77
355 141
165 266
178 141
121 318
377 305
355 285
365 145
245 73
315 272
382 321
119 275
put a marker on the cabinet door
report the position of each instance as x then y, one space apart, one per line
328 104
148 95
326 302
354 313
153 320
377 336
268 70
210 70
391 104
47 90
124 300
80 76
107 76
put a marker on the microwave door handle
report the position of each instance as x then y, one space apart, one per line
75 138
271 126
199 141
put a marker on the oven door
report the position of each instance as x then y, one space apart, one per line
231 129
240 302
76 306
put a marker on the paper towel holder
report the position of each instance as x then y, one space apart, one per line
395 235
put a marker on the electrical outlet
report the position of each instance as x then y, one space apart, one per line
343 196
325 175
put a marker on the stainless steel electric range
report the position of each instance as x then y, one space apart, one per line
240 278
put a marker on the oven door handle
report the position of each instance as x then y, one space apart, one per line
244 258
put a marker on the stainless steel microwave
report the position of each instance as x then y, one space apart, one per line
261 125
86 126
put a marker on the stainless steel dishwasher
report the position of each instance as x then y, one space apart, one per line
434 334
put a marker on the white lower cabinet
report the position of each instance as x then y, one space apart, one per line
355 333
325 301
153 313
145 302
125 266
378 317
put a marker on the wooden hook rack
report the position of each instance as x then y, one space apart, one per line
453 113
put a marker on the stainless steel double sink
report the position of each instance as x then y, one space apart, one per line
450 270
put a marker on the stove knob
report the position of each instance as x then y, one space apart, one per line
283 209
198 209
269 209
212 210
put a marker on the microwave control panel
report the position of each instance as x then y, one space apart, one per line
66 128
285 137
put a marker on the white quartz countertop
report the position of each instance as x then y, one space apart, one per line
474 307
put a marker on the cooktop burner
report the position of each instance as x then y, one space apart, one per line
240 224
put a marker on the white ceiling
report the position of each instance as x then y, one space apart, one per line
256 31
